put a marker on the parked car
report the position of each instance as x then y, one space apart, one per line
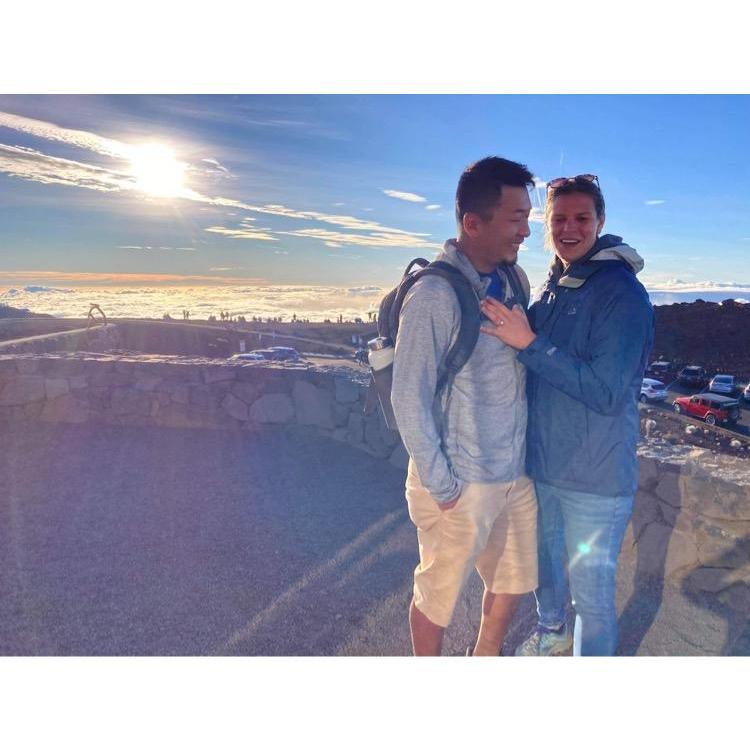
709 407
693 376
660 369
652 390
284 353
248 357
723 384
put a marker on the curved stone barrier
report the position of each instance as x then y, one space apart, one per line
176 391
692 527
95 339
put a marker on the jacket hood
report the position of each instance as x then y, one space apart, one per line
611 247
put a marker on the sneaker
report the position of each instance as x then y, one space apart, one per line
546 643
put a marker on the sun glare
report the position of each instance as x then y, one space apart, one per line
157 171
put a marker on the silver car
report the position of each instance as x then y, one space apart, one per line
652 390
248 357
723 384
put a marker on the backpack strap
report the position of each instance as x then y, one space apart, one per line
390 306
468 302
519 292
468 333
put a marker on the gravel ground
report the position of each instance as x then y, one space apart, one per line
143 541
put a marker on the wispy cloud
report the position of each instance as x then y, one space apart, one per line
51 132
678 285
347 222
365 291
217 167
377 235
148 248
656 202
432 207
35 166
242 234
402 196
376 239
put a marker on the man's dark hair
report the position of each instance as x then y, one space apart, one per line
578 186
481 185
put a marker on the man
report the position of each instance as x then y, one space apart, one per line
585 346
466 489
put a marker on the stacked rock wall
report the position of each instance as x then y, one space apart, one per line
166 391
693 528
94 339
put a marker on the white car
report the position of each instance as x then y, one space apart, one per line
652 390
248 357
723 384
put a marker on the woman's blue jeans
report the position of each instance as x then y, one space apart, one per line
590 529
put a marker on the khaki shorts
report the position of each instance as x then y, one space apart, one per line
492 527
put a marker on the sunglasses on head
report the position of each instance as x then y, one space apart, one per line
560 181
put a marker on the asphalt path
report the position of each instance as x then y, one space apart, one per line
146 541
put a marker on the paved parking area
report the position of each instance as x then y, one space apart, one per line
142 541
674 390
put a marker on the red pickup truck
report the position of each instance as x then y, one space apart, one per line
709 407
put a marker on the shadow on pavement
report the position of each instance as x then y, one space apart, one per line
640 611
129 540
721 587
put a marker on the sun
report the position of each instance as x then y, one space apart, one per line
157 171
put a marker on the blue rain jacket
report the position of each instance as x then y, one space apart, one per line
595 327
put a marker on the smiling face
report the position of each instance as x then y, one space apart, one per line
573 226
496 239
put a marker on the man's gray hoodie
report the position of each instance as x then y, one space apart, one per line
476 431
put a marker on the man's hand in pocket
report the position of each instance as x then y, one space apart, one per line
450 504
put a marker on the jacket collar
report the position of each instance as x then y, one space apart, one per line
608 249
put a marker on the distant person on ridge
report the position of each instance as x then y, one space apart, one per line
466 489
585 344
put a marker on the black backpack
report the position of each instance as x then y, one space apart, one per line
468 334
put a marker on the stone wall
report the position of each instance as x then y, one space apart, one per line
149 336
692 528
188 392
95 339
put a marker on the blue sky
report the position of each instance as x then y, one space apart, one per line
336 189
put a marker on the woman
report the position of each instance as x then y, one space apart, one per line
585 344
